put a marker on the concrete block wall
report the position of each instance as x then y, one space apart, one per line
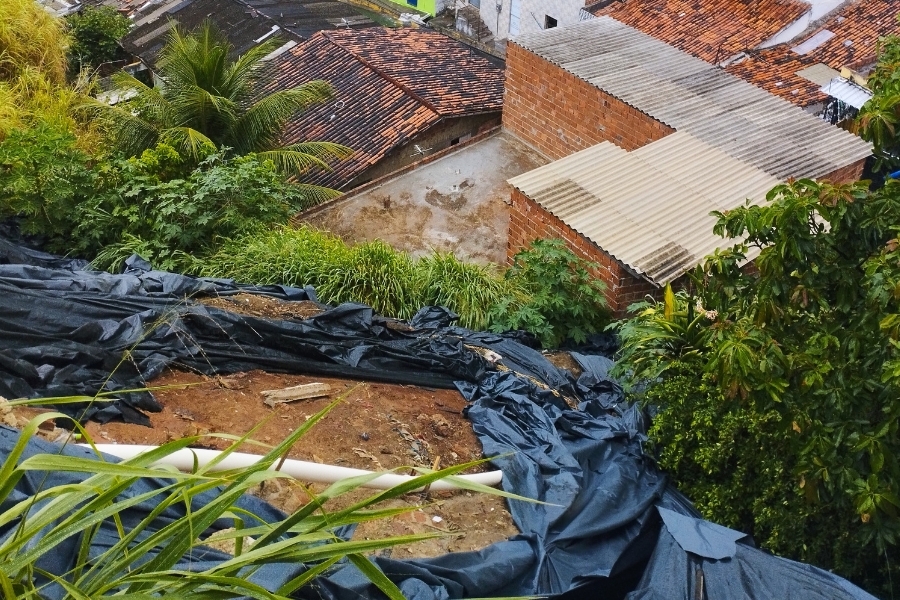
560 114
529 221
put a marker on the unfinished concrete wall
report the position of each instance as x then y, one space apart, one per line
529 221
560 114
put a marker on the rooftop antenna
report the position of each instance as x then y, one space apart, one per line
344 23
420 150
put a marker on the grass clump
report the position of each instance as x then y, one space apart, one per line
548 292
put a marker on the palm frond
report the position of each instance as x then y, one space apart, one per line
150 103
188 142
239 78
259 127
193 106
131 134
315 194
294 163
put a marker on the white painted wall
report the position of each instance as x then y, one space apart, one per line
532 13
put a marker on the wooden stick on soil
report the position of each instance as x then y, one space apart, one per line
297 392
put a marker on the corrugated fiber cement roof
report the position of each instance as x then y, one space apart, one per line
648 208
693 96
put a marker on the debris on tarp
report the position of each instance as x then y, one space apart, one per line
611 525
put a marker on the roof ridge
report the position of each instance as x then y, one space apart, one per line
403 87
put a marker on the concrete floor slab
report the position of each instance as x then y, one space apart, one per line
458 203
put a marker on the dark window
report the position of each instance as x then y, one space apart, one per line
454 141
549 22
413 2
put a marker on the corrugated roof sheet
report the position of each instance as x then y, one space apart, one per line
242 22
847 92
695 97
648 208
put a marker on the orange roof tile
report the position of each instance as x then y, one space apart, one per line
856 30
711 30
390 85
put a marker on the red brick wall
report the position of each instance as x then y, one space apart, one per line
560 114
529 221
848 174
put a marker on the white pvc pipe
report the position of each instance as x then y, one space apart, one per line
183 460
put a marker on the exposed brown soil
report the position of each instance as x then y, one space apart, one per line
375 426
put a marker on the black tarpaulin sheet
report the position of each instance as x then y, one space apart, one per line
612 526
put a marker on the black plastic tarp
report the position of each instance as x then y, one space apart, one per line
611 525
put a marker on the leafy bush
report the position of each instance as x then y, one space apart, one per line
548 283
373 273
564 302
738 469
805 352
879 118
95 34
153 205
175 217
43 177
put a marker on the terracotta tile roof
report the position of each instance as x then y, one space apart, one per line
439 70
390 85
243 22
711 30
856 30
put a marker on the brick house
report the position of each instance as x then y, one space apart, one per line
648 140
400 95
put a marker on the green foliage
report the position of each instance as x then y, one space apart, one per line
879 118
67 519
373 273
376 274
95 33
661 335
151 206
738 468
470 290
812 338
564 302
42 178
210 100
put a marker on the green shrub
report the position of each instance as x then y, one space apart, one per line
565 301
150 204
468 289
43 178
549 292
805 351
375 274
737 467
95 33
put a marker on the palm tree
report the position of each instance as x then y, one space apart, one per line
207 100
